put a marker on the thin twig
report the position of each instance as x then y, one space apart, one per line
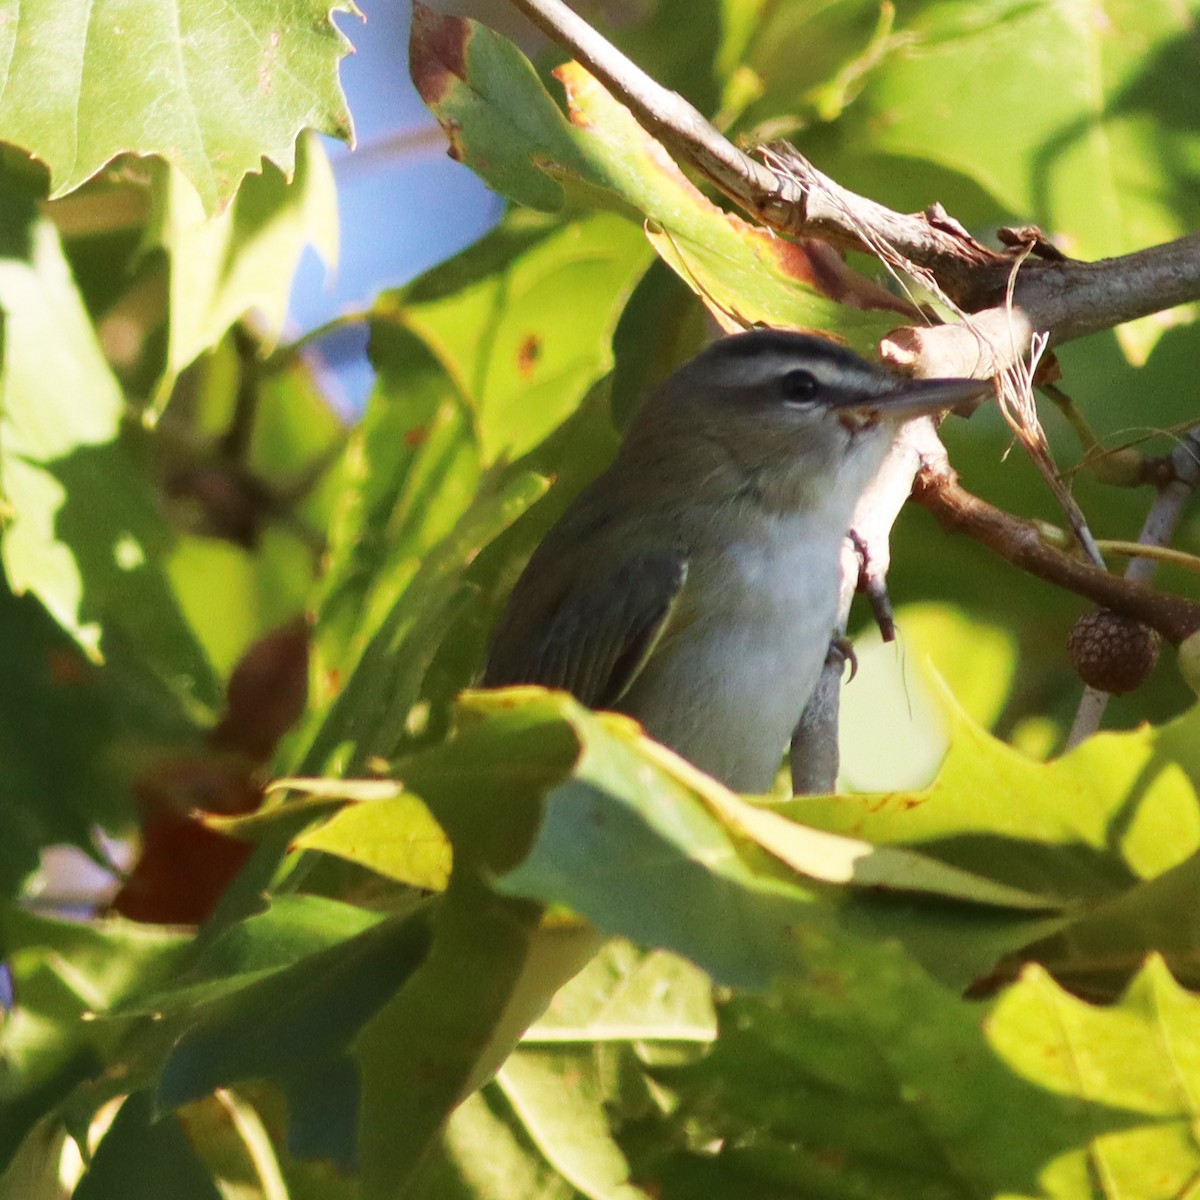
866 556
1146 552
1157 530
1019 542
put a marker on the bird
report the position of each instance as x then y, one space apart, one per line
694 584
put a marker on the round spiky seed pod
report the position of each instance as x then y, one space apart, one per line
1111 652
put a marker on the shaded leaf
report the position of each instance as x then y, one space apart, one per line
60 971
144 1157
445 1032
868 1079
295 1019
1105 161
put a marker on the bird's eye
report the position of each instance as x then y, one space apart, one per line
799 386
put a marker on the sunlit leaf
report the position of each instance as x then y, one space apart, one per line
504 124
868 1079
83 533
242 259
1105 160
212 90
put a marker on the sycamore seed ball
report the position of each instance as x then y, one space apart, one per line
1112 653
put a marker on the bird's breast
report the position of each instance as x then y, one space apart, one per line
728 683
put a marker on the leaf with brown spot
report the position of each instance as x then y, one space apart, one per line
528 353
506 126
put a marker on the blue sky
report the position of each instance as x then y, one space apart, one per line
400 213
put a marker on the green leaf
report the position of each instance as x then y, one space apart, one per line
503 123
483 1152
1125 808
64 972
523 320
868 1079
396 837
84 534
294 1021
291 928
244 257
490 971
558 1097
143 1158
1105 160
633 824
370 714
482 359
627 994
576 1077
567 807
211 90
57 787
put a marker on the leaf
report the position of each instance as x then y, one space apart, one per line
503 123
1120 843
418 1056
568 1123
60 971
369 715
143 1158
396 837
627 994
410 468
1104 161
483 1152
630 826
940 649
211 90
479 360
867 1079
1125 808
291 928
842 860
522 321
566 807
84 534
234 592
56 788
293 1022
245 257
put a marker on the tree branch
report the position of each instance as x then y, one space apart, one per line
1066 298
1016 541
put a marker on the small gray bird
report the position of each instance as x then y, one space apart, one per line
694 584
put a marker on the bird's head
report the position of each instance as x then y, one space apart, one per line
797 414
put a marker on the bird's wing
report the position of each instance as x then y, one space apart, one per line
595 638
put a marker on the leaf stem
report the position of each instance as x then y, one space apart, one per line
285 355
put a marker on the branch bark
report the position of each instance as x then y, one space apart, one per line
1016 541
1068 299
1000 315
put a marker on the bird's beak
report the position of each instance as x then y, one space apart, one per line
921 397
